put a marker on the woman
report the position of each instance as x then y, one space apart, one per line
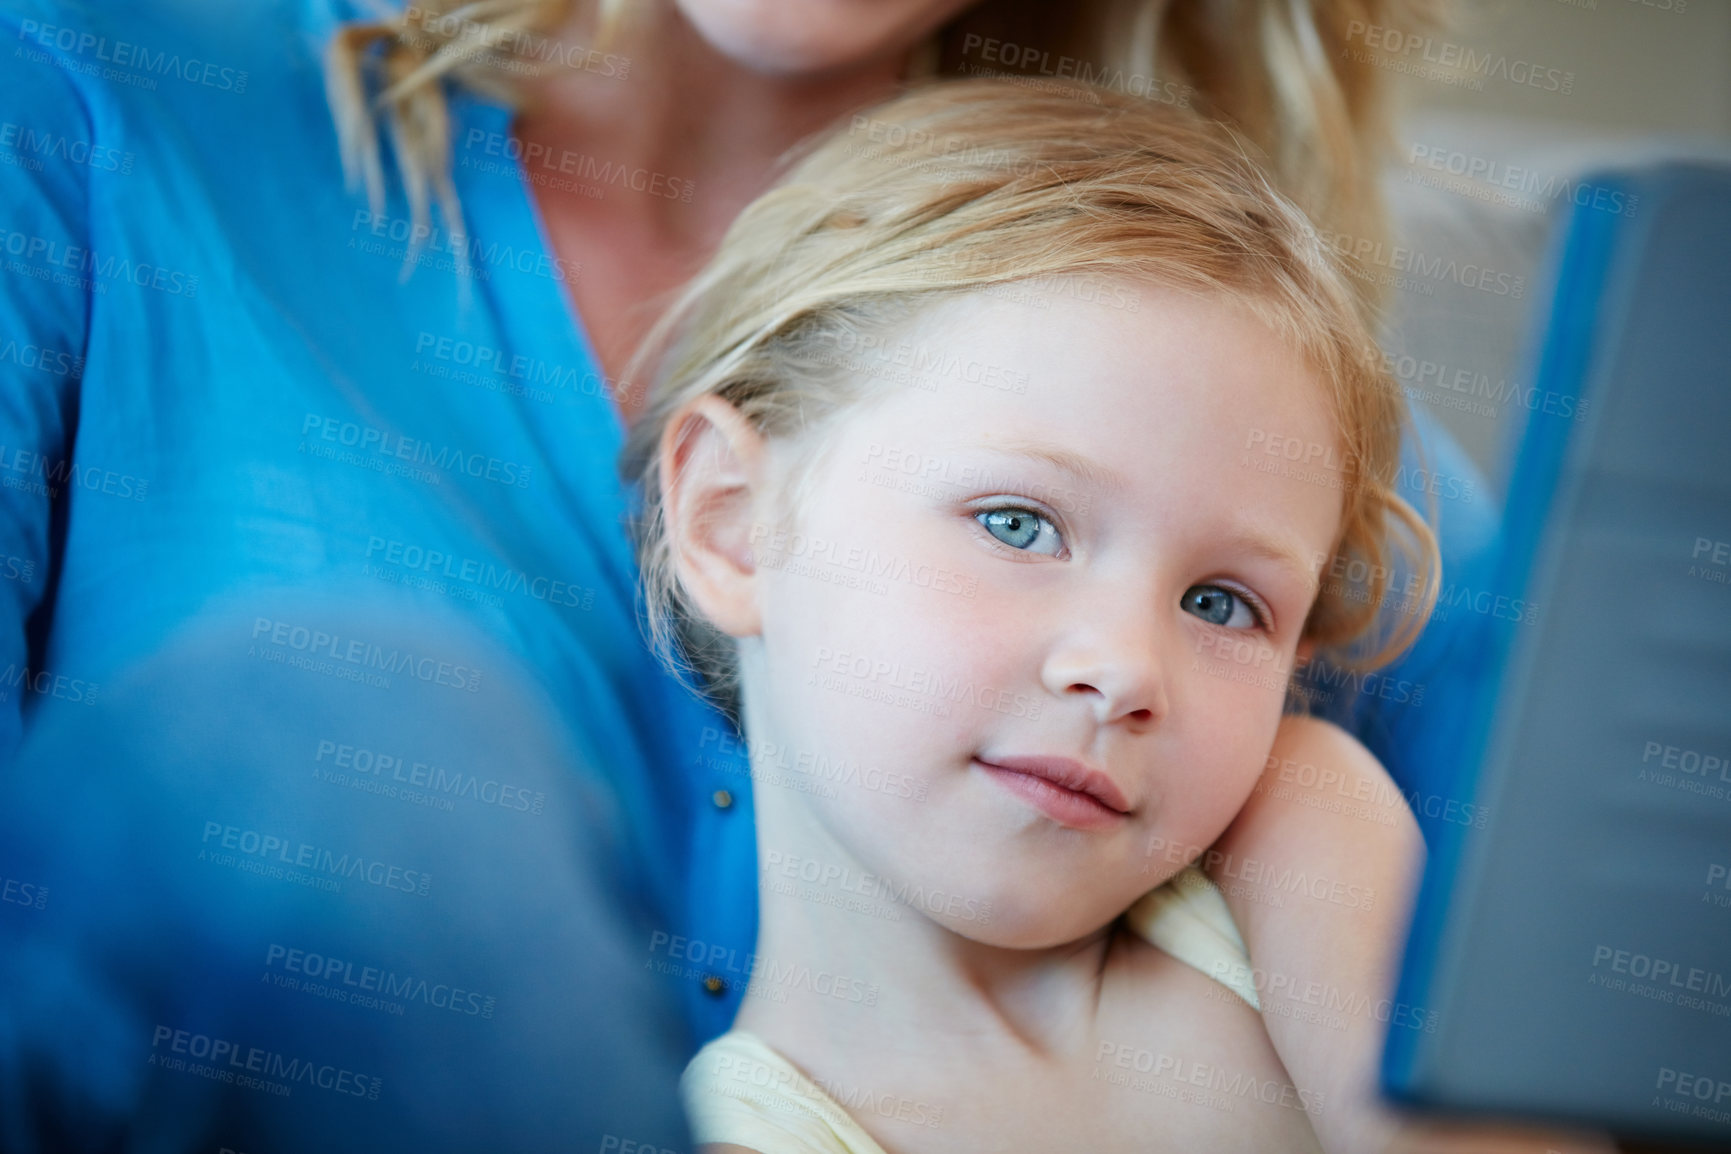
735 85
223 396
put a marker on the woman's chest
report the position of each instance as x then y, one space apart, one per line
434 461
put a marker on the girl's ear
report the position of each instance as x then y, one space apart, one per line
712 479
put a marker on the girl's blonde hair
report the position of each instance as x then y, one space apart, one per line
1298 77
960 186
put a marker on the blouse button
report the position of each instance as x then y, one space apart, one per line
722 798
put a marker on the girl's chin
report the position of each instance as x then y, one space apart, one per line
1007 928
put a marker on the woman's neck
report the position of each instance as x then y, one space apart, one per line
685 110
688 138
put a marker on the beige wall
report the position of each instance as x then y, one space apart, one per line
1638 67
1643 83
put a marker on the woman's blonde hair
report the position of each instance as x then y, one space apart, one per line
1292 75
964 185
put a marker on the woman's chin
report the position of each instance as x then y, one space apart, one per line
774 39
812 38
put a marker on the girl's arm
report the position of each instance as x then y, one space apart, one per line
1319 878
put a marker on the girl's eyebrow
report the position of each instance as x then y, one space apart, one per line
1271 547
1074 464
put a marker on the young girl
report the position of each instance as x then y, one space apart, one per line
1001 466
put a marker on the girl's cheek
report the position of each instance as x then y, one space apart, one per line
1238 722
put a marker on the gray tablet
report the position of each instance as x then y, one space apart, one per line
1577 949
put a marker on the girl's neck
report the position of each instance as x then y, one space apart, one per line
851 972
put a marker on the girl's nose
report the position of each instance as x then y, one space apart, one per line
1117 665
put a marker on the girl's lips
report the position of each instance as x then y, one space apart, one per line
1065 791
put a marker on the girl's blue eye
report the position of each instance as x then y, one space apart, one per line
1021 529
1219 606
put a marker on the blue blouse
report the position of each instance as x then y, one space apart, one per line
217 391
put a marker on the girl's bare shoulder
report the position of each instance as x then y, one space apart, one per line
1176 1050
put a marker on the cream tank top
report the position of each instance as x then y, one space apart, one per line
738 1089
